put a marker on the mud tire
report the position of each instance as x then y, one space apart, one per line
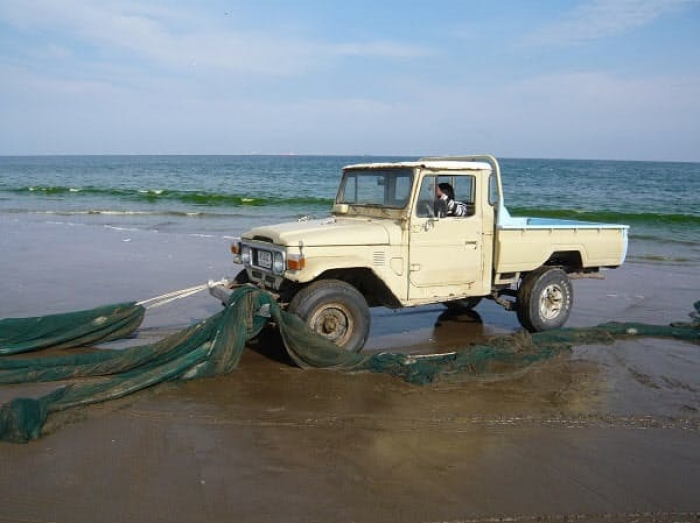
336 310
544 300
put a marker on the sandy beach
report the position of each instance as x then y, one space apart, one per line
604 433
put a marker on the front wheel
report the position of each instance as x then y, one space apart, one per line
544 300
336 310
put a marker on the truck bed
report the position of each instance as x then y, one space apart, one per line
524 244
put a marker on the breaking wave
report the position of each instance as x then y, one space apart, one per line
168 195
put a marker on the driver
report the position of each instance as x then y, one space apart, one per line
445 203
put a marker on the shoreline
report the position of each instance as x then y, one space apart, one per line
605 432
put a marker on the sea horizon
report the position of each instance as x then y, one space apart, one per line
339 155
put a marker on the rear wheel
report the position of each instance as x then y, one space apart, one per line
336 310
544 300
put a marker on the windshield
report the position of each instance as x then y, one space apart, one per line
376 187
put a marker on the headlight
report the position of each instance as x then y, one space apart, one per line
246 255
278 265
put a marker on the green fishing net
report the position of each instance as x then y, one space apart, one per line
214 346
71 329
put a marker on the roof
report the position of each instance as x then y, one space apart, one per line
442 165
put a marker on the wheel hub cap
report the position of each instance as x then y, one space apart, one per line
332 322
551 302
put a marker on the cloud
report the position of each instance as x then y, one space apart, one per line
177 38
604 19
84 76
575 115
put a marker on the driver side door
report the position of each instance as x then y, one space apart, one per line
445 253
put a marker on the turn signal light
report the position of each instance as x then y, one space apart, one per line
296 263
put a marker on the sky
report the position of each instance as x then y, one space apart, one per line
589 79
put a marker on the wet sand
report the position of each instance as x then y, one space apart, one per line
604 433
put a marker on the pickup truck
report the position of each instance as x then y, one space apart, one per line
385 244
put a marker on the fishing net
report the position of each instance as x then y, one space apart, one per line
214 346
72 329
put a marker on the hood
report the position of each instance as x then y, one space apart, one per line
329 231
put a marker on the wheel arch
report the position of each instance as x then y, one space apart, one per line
567 260
364 279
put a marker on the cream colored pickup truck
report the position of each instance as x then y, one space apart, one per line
385 244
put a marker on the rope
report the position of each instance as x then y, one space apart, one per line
157 301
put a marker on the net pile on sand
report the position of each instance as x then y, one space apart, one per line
214 346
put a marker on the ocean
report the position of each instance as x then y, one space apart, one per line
222 196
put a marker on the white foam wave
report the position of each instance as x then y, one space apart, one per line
124 229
